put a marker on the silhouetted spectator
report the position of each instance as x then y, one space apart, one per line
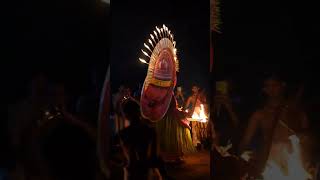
24 132
70 144
139 143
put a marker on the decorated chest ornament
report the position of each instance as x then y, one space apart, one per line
160 54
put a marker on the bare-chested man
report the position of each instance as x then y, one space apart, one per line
275 122
193 101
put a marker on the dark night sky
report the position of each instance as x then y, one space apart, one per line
259 36
64 39
132 23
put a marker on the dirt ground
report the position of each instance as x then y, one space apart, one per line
196 167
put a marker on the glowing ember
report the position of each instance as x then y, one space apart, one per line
199 114
294 164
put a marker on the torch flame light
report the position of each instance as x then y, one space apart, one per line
145 45
150 42
200 116
153 38
295 167
155 33
143 61
145 53
159 32
159 39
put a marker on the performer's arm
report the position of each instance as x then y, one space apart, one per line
250 131
187 103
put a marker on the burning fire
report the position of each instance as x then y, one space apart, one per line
295 169
200 114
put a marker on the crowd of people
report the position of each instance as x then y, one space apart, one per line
265 136
166 141
267 130
54 138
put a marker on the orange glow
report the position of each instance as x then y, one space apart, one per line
199 114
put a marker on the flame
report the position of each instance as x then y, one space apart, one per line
145 45
143 61
200 115
294 164
150 42
152 37
146 54
155 33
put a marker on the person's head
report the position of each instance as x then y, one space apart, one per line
195 89
131 110
274 86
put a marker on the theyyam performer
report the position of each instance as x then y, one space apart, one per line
158 103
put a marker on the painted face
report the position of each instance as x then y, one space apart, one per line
273 88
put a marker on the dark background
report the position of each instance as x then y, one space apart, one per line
68 39
65 40
133 21
263 36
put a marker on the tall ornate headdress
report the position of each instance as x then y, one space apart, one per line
160 54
